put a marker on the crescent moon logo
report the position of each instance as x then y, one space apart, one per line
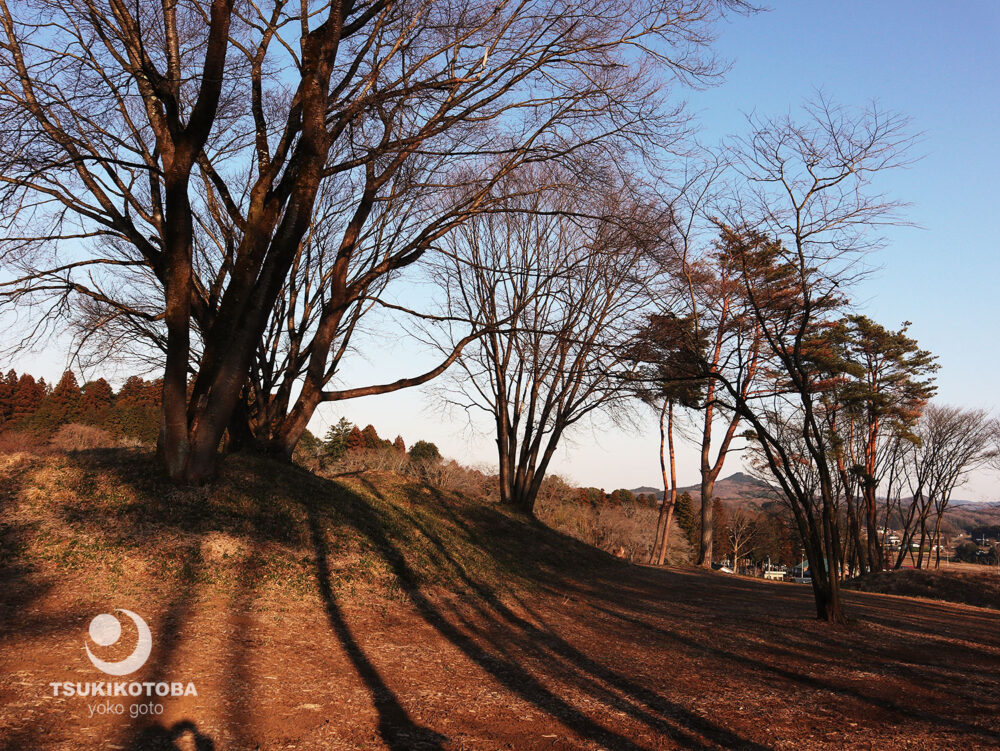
105 630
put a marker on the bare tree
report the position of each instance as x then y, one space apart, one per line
562 278
129 130
951 443
743 530
794 235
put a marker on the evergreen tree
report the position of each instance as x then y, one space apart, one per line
8 387
720 528
336 439
370 437
399 445
425 451
60 407
95 402
28 395
685 515
355 441
136 410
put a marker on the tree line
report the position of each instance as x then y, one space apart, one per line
35 407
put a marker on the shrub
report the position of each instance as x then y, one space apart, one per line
76 437
20 441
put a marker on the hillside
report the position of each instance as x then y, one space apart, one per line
377 611
968 514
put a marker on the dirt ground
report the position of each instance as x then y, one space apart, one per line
630 658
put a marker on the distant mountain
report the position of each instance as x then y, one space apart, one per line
646 490
739 489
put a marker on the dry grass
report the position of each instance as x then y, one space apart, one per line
75 437
627 529
110 513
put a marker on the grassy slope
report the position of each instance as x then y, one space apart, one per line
974 587
605 656
110 515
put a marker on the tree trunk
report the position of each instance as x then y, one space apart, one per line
705 550
671 498
936 541
923 539
658 539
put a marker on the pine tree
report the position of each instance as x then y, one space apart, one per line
399 445
335 441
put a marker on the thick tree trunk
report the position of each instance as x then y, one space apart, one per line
705 549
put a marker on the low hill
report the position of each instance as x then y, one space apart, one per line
378 611
968 515
738 489
741 489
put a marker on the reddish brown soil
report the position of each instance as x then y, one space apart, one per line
628 658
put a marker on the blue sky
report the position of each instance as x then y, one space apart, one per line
927 61
937 63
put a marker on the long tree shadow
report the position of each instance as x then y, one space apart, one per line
499 651
140 734
397 728
744 662
513 644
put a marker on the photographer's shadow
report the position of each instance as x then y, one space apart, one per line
182 736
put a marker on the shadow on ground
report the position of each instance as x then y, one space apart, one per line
622 657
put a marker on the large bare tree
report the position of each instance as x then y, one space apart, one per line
130 130
563 277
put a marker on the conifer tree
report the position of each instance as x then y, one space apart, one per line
95 402
60 407
8 387
28 395
355 440
370 437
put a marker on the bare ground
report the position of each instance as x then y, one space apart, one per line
597 655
